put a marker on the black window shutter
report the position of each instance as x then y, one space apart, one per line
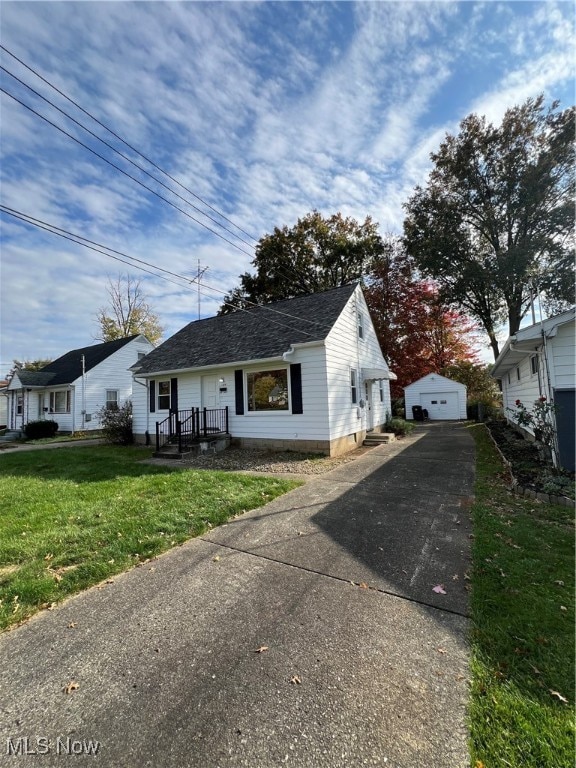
239 391
152 396
174 395
296 387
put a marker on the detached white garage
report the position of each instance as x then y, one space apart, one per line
443 398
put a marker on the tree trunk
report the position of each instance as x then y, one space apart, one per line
494 345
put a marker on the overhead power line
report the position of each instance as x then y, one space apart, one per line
134 262
123 156
94 246
125 173
127 144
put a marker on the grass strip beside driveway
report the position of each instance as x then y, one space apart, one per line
522 699
73 517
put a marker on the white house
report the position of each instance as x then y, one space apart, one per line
303 374
442 398
73 388
539 361
3 404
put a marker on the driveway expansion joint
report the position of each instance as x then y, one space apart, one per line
389 593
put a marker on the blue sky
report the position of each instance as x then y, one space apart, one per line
263 110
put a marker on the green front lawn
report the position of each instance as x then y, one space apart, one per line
72 517
522 699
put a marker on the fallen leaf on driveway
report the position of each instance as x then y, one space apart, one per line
215 559
295 680
261 649
439 589
72 686
441 650
363 585
72 625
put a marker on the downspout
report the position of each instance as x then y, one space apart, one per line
73 406
555 446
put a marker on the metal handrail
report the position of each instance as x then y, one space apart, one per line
191 425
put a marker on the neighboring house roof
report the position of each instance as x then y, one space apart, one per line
257 333
526 340
68 368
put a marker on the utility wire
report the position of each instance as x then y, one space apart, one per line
102 249
124 157
125 173
97 247
102 125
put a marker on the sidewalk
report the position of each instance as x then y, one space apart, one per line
305 633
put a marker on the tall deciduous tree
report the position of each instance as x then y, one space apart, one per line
314 255
127 313
496 219
418 334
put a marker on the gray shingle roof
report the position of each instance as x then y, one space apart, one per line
258 333
68 368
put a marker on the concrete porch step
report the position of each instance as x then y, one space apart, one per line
379 438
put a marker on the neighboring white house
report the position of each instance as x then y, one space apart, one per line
442 398
303 374
539 361
73 388
3 405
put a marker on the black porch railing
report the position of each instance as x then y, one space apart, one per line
187 427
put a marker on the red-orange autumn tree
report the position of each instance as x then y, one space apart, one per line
417 333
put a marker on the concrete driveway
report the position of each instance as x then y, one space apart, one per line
306 633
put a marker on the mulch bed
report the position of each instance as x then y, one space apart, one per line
526 463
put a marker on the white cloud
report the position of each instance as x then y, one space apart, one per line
265 110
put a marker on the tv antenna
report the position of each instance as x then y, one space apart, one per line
201 271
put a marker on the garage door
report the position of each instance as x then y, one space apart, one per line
440 405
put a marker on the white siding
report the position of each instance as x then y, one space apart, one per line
527 388
431 384
326 401
89 395
312 424
344 350
560 370
562 353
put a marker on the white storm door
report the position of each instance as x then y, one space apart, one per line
210 392
369 410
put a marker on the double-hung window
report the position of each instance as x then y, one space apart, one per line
112 399
354 386
163 395
360 325
60 401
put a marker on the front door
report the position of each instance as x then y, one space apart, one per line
210 392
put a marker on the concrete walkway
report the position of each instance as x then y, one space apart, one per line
306 633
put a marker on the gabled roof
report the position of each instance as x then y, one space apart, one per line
255 334
68 368
526 340
434 377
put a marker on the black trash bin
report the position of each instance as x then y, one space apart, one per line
417 413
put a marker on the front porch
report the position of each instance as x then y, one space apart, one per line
195 429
